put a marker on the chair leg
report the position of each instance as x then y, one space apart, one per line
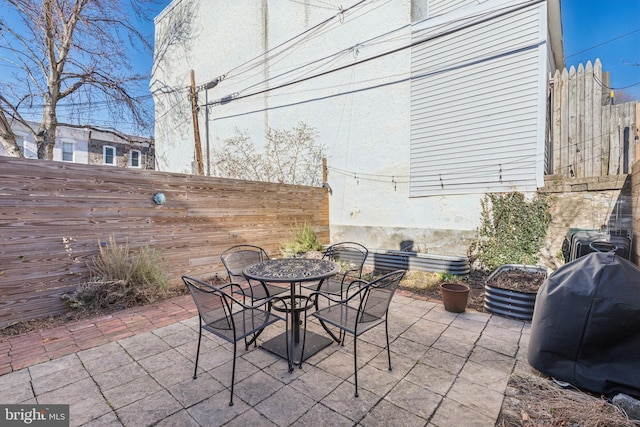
304 340
253 340
233 371
355 362
195 371
286 343
338 338
386 330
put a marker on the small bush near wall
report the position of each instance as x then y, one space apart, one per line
512 229
121 278
304 240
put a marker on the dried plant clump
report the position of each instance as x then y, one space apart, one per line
121 278
540 402
417 281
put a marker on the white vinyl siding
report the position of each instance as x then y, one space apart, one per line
440 7
474 107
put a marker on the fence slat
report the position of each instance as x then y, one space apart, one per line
598 125
615 149
573 121
588 120
555 120
564 126
579 140
605 142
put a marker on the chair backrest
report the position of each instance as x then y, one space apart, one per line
215 306
377 295
236 258
350 255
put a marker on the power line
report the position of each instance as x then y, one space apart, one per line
321 30
603 43
332 57
235 97
601 84
367 43
308 30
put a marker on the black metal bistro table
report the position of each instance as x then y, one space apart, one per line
294 271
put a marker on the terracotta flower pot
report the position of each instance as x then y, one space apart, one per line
454 296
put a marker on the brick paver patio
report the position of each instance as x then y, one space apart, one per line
40 346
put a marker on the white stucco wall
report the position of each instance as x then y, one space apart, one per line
361 112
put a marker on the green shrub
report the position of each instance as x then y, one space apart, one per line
304 240
121 279
512 229
445 276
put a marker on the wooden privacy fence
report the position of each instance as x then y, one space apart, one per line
53 216
590 136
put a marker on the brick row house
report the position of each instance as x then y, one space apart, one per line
91 147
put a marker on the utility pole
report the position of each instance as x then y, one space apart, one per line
196 127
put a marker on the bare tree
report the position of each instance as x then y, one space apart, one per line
8 138
70 53
289 157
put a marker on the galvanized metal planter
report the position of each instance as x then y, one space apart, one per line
508 302
390 260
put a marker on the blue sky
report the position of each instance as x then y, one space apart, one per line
605 29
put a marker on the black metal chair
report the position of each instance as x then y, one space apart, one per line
236 258
365 305
351 256
228 317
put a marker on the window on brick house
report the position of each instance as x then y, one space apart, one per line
108 155
67 151
134 158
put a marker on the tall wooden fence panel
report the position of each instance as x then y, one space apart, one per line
590 136
54 216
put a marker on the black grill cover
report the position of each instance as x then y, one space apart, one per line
586 325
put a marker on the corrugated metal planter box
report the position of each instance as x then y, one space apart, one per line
389 260
508 302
